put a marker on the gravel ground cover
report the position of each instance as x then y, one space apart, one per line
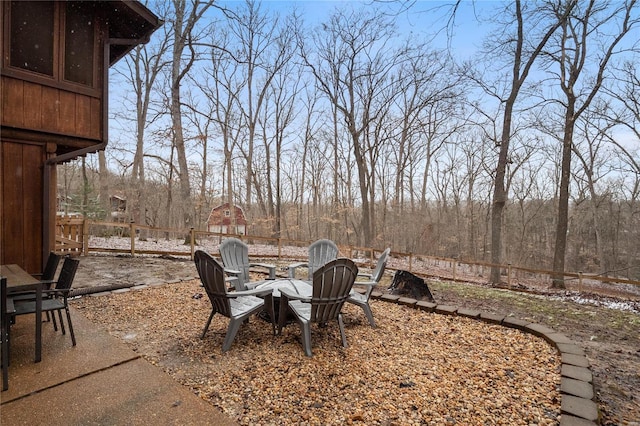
415 368
605 327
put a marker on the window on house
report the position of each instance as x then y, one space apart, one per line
32 36
38 46
227 213
78 43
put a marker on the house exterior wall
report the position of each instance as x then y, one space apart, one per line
53 72
21 200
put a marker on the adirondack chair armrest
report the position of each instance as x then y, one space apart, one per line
286 294
232 271
271 268
293 266
255 292
366 283
263 265
365 275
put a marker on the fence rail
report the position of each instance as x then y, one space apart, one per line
81 236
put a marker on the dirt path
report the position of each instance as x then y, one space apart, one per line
610 337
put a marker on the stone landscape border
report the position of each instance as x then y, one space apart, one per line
577 405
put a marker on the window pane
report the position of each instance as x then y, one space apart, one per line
32 36
78 43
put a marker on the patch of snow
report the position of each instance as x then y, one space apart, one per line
630 305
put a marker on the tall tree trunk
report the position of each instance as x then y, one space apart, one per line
500 192
562 226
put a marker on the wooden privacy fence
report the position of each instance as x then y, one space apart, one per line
73 237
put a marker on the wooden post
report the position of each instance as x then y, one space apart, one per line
410 261
193 242
509 275
85 237
454 269
279 248
132 234
580 281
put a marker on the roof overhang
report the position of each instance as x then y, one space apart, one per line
130 24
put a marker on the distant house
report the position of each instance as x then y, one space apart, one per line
118 207
227 220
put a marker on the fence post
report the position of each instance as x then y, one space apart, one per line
509 275
580 281
410 261
132 234
454 269
85 237
193 242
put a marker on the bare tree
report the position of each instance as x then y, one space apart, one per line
183 26
262 45
279 114
572 53
352 62
222 84
142 68
525 34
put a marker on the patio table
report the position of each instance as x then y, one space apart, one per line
300 287
19 280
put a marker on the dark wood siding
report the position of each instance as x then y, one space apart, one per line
32 106
22 189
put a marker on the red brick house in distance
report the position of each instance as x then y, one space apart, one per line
227 220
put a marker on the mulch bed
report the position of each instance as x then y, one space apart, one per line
415 368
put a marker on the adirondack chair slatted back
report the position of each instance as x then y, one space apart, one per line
235 255
331 286
320 253
376 275
212 276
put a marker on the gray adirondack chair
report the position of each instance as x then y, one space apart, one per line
235 258
235 305
331 286
372 279
320 253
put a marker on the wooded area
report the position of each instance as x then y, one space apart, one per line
356 127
